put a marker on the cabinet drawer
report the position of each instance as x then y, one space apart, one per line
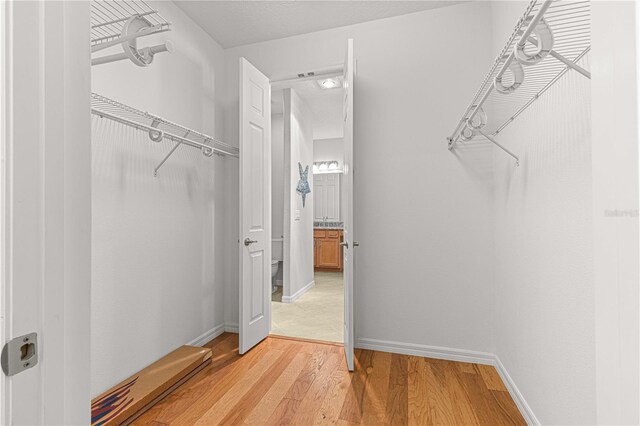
333 233
319 233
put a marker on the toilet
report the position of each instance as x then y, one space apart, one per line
276 258
274 271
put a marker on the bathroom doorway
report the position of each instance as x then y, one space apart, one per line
307 157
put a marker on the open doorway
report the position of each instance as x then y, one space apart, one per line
307 157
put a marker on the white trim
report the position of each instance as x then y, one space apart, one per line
438 352
299 293
208 336
231 327
453 354
4 175
517 397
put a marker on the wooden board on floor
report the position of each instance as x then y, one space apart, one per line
137 393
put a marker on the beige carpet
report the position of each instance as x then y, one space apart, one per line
318 314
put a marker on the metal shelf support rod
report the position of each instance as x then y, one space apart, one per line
166 157
492 140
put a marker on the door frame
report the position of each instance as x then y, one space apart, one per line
281 83
45 208
284 82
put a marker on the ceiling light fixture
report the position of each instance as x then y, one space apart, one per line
329 83
321 167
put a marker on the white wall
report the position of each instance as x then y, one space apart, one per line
615 210
277 178
435 213
544 295
567 271
328 150
158 248
298 246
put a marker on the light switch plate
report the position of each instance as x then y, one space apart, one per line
297 216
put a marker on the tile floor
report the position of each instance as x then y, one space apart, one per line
318 314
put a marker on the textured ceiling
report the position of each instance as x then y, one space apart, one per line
234 23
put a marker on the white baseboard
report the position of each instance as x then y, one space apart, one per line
299 293
208 336
453 354
231 327
517 397
426 351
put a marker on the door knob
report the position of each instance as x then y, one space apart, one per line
356 244
345 244
248 242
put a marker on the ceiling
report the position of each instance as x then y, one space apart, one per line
325 105
234 23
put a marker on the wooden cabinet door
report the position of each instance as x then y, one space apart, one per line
329 253
315 252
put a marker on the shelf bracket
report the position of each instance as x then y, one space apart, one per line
493 141
571 64
166 157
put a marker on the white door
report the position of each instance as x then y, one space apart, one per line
347 205
255 206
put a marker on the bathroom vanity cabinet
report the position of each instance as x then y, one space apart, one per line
327 251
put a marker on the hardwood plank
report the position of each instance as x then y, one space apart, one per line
398 398
466 367
462 408
441 408
352 406
329 412
418 392
508 407
483 402
301 386
221 338
374 403
224 405
257 392
268 404
312 401
284 412
491 378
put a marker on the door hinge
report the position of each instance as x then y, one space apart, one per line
20 354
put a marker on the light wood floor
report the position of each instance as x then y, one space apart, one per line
284 381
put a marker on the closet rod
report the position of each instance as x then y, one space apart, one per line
205 148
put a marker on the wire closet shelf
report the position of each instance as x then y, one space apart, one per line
160 129
122 23
551 38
